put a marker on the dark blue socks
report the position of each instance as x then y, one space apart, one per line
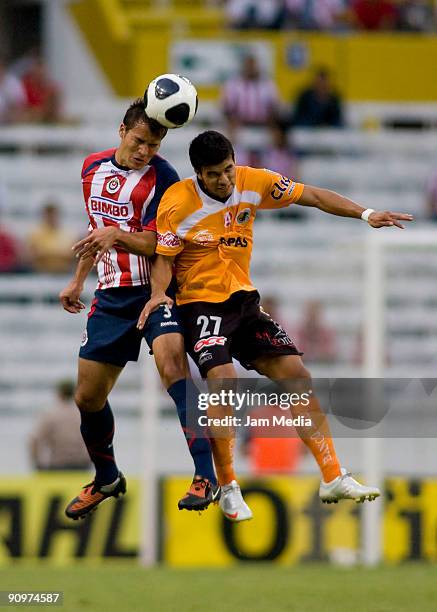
199 445
97 430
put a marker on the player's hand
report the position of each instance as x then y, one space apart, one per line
153 304
70 298
96 244
388 219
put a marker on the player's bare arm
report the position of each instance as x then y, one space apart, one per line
160 279
336 204
101 240
70 296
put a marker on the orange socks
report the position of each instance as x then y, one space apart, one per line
222 438
223 453
318 439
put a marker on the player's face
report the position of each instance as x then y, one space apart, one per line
219 180
137 147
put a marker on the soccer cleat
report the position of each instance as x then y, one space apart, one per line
201 494
92 495
233 505
346 487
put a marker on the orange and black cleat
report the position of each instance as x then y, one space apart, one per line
201 494
92 495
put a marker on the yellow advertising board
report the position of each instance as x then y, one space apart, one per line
33 523
290 525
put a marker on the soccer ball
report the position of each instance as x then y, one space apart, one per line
171 100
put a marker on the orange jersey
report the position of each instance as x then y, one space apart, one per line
212 241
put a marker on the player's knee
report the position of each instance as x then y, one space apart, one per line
172 371
302 372
87 402
294 369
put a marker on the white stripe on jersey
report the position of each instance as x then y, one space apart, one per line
132 181
211 206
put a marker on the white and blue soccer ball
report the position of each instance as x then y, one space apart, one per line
171 100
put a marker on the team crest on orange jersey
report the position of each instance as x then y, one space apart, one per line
243 216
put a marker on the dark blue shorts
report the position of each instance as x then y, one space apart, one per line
111 335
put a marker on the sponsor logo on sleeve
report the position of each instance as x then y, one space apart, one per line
168 239
280 187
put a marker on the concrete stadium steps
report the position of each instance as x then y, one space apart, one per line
390 172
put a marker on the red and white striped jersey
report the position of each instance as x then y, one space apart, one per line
250 101
116 195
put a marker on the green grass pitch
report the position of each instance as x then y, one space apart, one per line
126 587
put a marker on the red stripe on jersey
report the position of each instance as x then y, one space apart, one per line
142 190
87 184
124 264
95 157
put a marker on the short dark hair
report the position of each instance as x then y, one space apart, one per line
210 148
136 113
65 389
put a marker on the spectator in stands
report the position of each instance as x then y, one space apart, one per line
431 197
11 259
314 337
319 105
50 245
267 454
43 99
12 254
374 15
250 98
12 96
280 155
56 442
320 15
415 15
253 14
270 305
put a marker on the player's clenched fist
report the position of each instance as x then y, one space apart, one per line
69 298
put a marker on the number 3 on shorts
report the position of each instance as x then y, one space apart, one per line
167 311
205 321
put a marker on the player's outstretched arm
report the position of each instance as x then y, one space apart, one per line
101 240
161 275
336 204
70 296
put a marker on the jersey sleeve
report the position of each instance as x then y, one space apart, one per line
166 176
168 242
277 191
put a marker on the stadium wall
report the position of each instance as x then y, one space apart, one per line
367 67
